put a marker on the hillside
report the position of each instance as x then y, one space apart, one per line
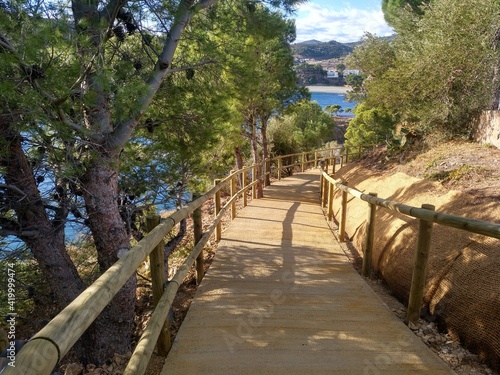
462 166
316 50
462 288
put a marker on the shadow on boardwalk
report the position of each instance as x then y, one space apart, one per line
282 298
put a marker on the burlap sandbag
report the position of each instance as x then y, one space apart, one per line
463 275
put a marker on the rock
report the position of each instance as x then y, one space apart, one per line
460 356
74 369
120 360
412 326
90 368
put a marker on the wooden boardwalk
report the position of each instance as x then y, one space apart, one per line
282 298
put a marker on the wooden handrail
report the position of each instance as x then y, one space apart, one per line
47 347
427 216
470 225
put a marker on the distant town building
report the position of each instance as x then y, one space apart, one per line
351 71
335 74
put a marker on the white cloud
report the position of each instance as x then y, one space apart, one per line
343 25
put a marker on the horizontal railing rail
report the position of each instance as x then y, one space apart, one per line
427 216
47 347
336 155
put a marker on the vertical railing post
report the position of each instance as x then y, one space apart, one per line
331 189
315 159
324 192
158 277
244 179
254 178
321 182
334 165
370 232
303 163
280 163
198 233
343 215
218 230
264 170
232 192
268 173
420 268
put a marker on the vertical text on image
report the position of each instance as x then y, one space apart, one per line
11 321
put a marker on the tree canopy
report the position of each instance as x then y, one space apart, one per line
99 101
393 8
439 73
303 127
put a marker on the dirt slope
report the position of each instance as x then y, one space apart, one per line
463 285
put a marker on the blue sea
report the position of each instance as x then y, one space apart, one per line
325 98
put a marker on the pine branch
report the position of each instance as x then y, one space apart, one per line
15 189
205 4
123 130
201 63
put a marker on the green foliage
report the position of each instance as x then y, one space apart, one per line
437 75
333 109
304 127
281 134
354 80
370 126
68 85
393 9
373 57
260 68
311 74
464 171
29 288
398 141
111 107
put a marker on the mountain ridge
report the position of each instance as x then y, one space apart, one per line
314 49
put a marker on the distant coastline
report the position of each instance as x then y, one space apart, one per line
329 89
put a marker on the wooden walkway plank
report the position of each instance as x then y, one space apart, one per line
282 298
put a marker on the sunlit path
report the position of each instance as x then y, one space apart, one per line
282 298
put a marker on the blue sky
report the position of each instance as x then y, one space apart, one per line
340 20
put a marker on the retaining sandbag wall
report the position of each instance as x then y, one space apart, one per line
463 275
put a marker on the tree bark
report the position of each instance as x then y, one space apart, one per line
265 146
239 157
48 244
114 326
255 156
239 163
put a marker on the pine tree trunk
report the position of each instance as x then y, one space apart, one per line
265 147
47 245
239 157
239 163
113 328
256 158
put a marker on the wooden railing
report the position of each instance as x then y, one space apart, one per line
427 216
284 165
46 348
